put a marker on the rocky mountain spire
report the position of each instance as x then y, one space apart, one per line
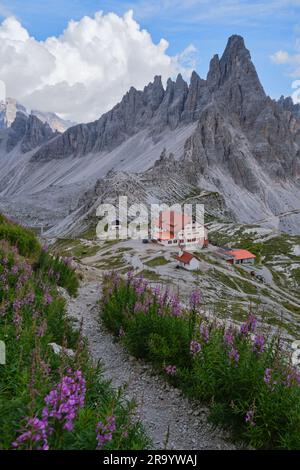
234 82
29 131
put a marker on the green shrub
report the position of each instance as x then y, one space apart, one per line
32 315
59 271
23 238
247 379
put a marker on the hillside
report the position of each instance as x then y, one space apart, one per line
52 396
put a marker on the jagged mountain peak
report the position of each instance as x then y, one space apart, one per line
236 43
29 131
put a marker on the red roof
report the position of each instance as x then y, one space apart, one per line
185 257
241 254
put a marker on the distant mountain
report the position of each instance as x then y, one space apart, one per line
8 112
226 135
55 122
10 107
27 131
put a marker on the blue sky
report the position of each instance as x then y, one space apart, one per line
267 26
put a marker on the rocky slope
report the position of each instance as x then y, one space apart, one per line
225 133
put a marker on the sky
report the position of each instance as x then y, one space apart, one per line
78 57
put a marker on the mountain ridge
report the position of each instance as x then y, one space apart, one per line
226 133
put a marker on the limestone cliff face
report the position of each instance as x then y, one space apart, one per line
236 121
29 131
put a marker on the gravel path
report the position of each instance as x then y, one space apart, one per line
161 408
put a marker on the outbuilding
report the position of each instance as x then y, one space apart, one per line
188 261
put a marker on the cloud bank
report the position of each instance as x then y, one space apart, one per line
86 70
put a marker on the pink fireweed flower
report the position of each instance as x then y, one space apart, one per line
234 355
249 418
195 300
35 436
15 269
175 307
229 337
292 377
121 333
64 402
267 376
47 300
249 325
17 319
104 431
204 332
129 277
42 329
195 347
140 286
268 379
259 344
138 308
17 305
156 291
171 370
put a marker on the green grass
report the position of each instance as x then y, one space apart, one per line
58 271
23 238
151 275
158 261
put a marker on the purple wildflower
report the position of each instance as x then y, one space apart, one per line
195 300
63 402
249 325
105 431
35 436
195 347
267 376
249 418
47 298
175 307
234 355
259 344
121 332
171 370
229 337
204 332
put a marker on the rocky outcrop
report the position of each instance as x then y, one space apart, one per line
29 131
287 104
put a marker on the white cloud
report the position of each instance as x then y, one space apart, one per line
87 69
280 57
292 60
